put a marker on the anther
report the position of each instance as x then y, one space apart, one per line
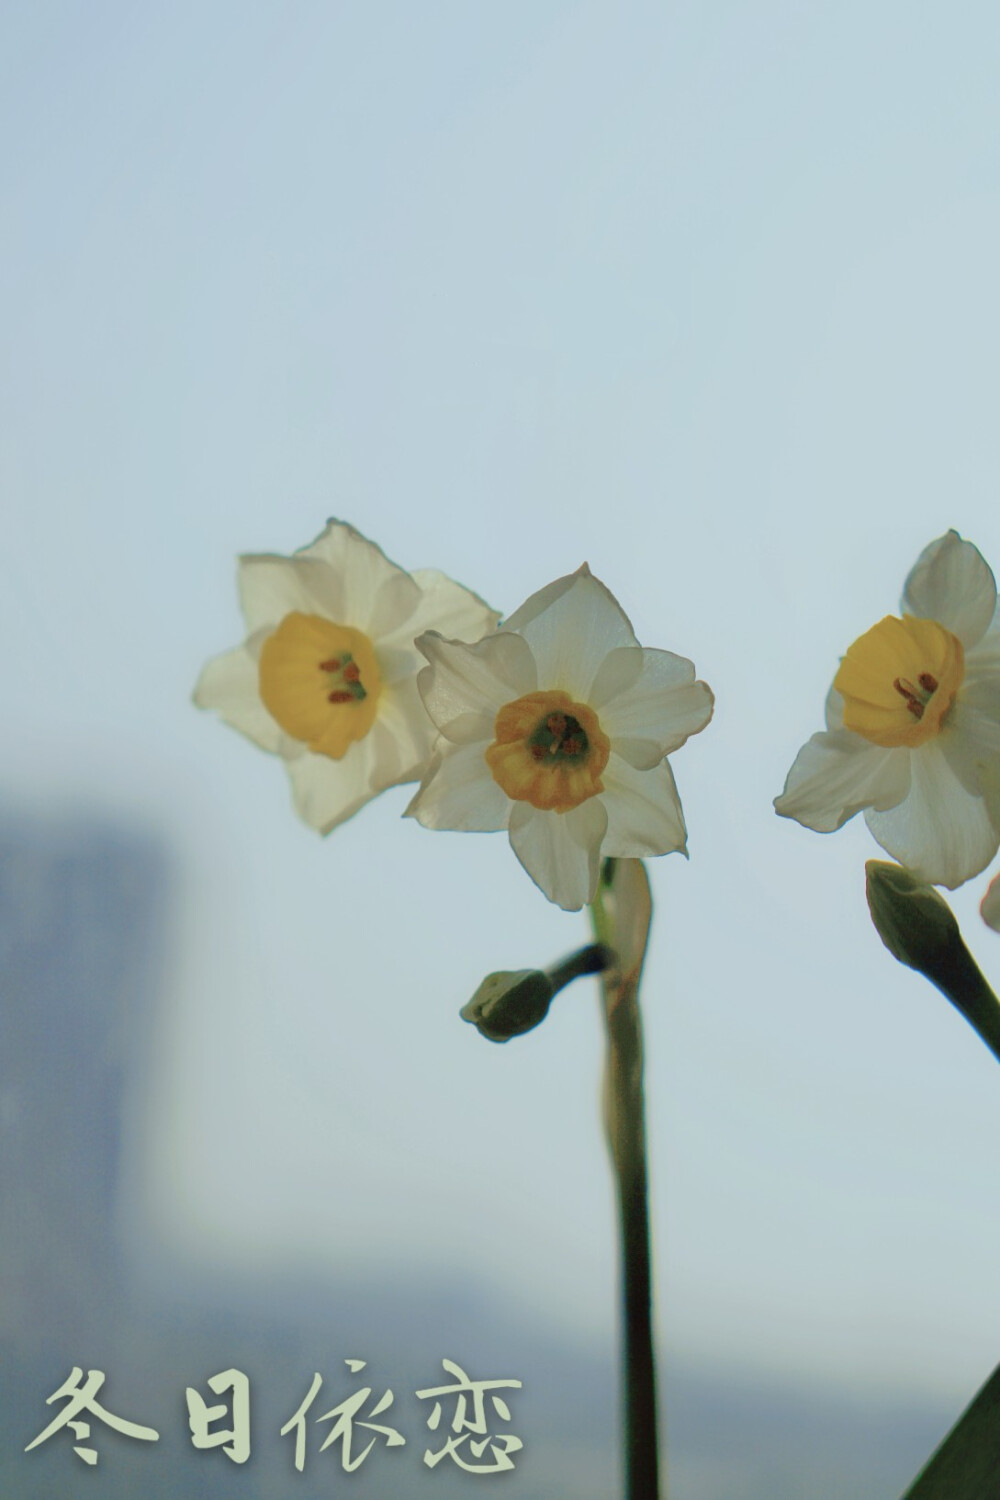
352 672
332 665
556 724
908 692
928 682
340 696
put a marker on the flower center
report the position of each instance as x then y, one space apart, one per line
548 751
321 682
899 680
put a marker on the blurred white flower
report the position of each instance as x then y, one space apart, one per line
913 725
990 905
556 728
326 677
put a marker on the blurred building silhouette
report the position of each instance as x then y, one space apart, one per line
83 936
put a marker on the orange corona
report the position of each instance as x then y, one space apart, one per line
549 751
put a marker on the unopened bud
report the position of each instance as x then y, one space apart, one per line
913 921
508 1004
917 927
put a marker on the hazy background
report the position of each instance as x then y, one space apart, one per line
703 294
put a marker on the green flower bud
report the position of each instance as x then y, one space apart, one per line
507 1004
913 921
917 927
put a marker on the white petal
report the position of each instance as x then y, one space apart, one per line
327 792
402 735
229 684
397 663
272 587
392 609
939 831
970 742
649 703
542 598
560 851
465 686
360 567
435 602
622 668
981 687
458 791
836 774
990 905
983 659
571 625
453 611
952 583
644 811
588 826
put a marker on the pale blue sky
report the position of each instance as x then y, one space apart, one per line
705 295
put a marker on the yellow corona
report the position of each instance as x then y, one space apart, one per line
899 680
321 682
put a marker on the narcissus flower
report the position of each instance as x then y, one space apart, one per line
327 675
556 729
913 725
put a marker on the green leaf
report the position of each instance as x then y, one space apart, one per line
967 1464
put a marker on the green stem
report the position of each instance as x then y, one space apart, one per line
590 960
958 976
625 1120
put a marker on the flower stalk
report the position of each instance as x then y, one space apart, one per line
620 915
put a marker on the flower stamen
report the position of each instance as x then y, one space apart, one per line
346 676
909 694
